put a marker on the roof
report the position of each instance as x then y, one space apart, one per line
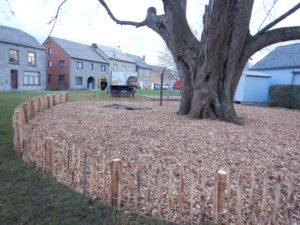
79 51
18 37
282 57
157 68
253 73
139 61
114 53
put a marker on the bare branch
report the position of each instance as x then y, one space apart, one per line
121 22
270 25
268 13
267 38
56 16
10 8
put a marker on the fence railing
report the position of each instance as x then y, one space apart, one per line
103 96
176 193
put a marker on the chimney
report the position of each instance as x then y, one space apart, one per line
144 58
94 45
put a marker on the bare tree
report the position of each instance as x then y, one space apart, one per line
211 68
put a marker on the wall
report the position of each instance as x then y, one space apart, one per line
21 67
155 78
280 76
85 73
144 78
57 54
256 89
240 90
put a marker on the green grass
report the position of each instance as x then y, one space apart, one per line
29 197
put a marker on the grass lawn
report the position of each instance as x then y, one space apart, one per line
29 197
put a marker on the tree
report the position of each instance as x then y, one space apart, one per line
211 68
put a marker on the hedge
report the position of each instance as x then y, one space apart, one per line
285 96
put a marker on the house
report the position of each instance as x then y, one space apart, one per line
72 65
282 64
156 77
22 61
252 87
143 71
118 61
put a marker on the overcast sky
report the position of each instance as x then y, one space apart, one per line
85 21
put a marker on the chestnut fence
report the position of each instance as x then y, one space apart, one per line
176 193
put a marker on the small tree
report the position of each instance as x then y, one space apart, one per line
211 68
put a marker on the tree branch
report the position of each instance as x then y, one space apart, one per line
267 38
121 22
56 16
270 25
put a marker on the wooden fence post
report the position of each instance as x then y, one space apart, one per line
220 195
17 131
33 108
49 155
115 167
48 102
25 109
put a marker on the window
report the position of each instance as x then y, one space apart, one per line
13 56
130 68
146 82
49 78
103 68
115 67
49 63
123 67
49 51
31 79
31 59
61 63
91 66
78 80
61 79
79 65
141 71
147 73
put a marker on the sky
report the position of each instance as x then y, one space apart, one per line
86 21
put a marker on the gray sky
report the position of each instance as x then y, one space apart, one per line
87 22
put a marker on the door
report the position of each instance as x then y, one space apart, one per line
14 79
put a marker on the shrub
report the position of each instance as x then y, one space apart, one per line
285 96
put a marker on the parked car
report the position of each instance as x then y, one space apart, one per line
176 85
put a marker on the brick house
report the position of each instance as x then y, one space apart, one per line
22 61
156 79
71 65
143 71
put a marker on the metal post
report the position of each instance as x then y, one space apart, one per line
161 87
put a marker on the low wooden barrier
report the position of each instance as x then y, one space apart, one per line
176 193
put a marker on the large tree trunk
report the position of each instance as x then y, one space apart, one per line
208 88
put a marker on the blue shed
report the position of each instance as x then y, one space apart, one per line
283 64
252 87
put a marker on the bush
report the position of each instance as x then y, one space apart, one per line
285 96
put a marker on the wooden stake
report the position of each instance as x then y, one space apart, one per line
181 193
220 195
115 166
26 114
170 193
192 197
264 196
159 180
239 199
138 194
149 191
228 191
277 198
49 155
